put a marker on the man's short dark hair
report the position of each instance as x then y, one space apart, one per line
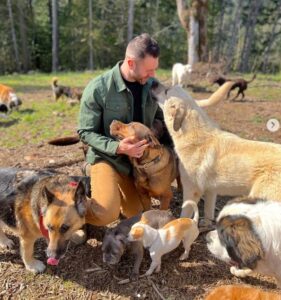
143 45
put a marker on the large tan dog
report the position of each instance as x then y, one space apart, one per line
214 161
35 204
156 169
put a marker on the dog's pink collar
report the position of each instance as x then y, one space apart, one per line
43 229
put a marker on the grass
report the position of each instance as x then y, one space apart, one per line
40 118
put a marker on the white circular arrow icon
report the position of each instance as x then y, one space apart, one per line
273 125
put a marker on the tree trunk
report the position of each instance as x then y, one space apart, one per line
202 13
219 31
13 32
193 40
234 35
23 36
91 61
55 36
193 20
249 35
131 8
271 40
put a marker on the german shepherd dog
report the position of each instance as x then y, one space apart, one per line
37 204
60 90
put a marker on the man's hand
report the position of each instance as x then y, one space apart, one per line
131 148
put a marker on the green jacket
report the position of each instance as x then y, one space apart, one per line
106 98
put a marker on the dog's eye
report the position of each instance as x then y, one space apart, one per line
50 227
64 228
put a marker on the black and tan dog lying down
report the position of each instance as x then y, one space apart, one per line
45 203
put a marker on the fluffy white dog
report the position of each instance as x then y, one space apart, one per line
248 237
181 74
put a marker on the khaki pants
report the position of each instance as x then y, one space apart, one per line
112 192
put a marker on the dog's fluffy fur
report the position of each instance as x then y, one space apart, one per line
164 240
115 240
181 74
217 162
239 83
8 99
60 90
242 292
40 203
248 237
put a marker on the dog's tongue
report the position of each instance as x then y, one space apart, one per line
52 261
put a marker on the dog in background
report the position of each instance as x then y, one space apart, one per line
35 204
167 238
242 292
248 237
239 83
8 99
60 90
181 74
115 241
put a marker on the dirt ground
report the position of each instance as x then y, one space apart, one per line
81 274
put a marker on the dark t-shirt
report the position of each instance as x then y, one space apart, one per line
136 90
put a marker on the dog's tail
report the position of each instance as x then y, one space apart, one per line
65 141
54 82
195 209
217 96
253 78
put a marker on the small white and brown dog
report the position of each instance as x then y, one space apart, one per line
163 240
8 99
248 237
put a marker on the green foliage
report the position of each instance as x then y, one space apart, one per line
109 34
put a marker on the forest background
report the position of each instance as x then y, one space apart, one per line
73 35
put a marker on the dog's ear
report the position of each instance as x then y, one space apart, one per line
80 199
178 116
137 232
242 243
122 238
47 195
152 140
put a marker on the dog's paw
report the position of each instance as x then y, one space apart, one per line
7 243
134 276
206 225
184 255
158 269
240 272
148 272
36 266
79 237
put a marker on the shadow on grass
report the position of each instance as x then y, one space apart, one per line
26 111
9 123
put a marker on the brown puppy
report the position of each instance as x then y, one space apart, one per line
240 83
40 205
8 99
156 169
235 292
60 90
